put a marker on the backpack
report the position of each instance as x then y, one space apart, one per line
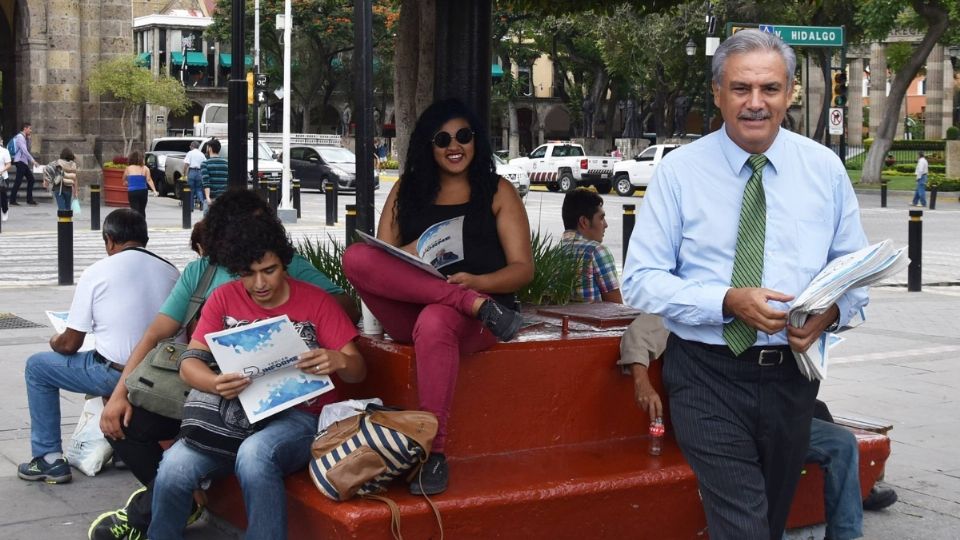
53 173
12 146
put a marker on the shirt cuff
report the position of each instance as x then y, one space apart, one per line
713 300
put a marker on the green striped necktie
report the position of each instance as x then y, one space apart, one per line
748 261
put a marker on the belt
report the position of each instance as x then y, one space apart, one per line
194 168
110 364
764 356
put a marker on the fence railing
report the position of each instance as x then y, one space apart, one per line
857 154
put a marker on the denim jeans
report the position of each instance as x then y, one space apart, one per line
46 373
279 449
63 198
920 195
835 449
195 179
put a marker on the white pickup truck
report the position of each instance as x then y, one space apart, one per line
630 174
563 166
269 168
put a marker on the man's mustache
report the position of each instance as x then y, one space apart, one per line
755 115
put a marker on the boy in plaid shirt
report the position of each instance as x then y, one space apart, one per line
585 222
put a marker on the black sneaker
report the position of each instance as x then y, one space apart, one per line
879 498
113 525
32 203
14 203
57 472
504 323
432 478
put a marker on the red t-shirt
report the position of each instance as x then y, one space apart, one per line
318 318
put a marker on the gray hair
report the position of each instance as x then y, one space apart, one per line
751 40
194 145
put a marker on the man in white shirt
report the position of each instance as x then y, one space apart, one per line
115 300
191 169
923 168
6 163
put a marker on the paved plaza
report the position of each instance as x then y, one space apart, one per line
899 366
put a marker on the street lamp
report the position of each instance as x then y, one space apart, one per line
691 47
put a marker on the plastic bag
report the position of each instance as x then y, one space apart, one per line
75 206
88 449
343 409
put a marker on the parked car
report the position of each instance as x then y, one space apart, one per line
563 166
152 161
517 176
316 166
630 174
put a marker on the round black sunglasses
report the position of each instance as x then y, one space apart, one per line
443 139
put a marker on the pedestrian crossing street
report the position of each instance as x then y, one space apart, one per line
30 259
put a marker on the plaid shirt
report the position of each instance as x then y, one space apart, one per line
598 273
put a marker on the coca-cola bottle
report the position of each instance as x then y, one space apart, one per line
656 436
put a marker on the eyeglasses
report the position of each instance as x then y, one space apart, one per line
443 139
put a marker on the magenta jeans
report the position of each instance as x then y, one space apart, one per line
415 307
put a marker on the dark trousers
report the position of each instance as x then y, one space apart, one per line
744 429
138 200
3 196
140 449
23 170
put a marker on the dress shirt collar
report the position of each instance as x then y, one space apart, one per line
736 157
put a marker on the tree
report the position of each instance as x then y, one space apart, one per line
321 62
879 18
134 86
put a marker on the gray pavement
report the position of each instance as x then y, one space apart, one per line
899 366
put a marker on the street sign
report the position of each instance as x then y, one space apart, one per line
807 36
836 120
261 80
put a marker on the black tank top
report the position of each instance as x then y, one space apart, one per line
483 253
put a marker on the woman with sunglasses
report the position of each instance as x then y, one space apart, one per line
448 174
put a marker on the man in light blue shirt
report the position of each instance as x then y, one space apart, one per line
740 407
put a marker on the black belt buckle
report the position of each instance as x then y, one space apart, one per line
770 357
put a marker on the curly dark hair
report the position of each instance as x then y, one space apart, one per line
246 244
420 181
231 210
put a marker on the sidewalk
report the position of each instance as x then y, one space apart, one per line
899 366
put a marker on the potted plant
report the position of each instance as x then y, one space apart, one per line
114 192
889 161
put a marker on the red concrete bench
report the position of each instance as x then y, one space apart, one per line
544 442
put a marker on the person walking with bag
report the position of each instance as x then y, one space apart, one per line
449 174
24 162
923 168
60 177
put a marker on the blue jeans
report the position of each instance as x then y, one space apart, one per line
63 198
835 449
195 179
46 373
279 449
920 195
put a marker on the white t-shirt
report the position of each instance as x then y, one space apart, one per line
118 297
4 160
194 159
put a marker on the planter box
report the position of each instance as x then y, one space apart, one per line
114 192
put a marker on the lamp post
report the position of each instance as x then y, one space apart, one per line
710 45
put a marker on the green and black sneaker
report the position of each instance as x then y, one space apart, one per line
113 525
57 472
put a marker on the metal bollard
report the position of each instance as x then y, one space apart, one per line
94 207
273 196
914 249
331 204
883 194
351 223
629 220
296 197
933 197
186 205
65 247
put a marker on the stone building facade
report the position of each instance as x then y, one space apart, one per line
45 57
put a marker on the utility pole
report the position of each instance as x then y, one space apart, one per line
287 98
256 95
237 101
363 92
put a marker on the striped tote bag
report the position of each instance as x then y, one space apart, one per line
359 455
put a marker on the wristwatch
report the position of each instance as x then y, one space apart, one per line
833 327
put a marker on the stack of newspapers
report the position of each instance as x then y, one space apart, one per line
859 269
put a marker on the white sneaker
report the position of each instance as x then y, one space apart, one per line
4 216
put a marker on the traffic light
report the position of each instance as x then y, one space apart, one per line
840 89
250 92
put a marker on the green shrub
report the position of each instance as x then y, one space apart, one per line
943 183
953 133
391 164
911 167
327 257
554 276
